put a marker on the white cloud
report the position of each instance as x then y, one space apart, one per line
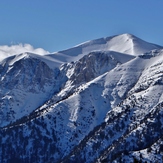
6 51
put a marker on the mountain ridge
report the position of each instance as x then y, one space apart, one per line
114 43
95 105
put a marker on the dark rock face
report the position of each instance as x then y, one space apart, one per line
27 72
25 78
91 66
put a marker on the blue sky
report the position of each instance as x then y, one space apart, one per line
59 24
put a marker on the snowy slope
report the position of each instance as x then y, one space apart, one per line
27 81
85 104
136 111
125 43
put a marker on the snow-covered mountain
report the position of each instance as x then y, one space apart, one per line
125 43
100 101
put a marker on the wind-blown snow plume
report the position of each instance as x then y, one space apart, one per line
6 51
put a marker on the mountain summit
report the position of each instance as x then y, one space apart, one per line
100 101
124 43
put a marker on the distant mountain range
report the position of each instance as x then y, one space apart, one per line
100 101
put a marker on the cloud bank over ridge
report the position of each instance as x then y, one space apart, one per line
6 51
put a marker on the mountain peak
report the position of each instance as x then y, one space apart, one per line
104 107
126 35
123 43
130 44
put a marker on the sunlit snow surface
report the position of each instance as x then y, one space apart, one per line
86 103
